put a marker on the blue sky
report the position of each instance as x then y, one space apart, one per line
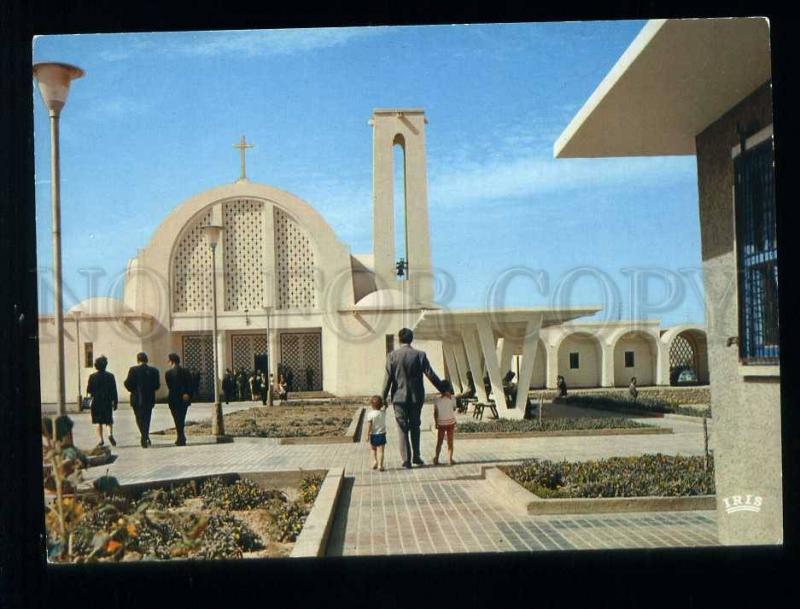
153 122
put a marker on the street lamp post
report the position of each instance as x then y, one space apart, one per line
54 80
77 314
268 379
217 422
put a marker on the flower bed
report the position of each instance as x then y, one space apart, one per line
625 404
554 424
319 420
217 518
645 476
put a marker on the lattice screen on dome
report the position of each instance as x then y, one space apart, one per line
244 255
294 262
191 270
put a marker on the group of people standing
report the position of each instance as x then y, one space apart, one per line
142 382
243 384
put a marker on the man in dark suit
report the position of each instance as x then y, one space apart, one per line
142 382
405 367
181 388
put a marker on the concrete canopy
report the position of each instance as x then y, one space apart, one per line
675 78
442 324
470 340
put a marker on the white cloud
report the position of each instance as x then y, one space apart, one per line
120 106
503 176
274 42
243 43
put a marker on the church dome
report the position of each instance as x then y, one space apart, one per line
102 306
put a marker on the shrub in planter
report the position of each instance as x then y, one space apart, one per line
647 475
625 404
287 522
227 537
172 496
240 495
309 487
555 424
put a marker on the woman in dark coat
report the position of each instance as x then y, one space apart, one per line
103 389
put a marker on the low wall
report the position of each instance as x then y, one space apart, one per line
313 539
700 394
522 500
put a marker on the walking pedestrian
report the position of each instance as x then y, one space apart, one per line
143 382
102 387
180 384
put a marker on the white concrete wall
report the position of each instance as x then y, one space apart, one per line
356 360
117 341
590 360
644 361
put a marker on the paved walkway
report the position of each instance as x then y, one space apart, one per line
425 510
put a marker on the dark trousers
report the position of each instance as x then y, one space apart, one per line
263 396
143 414
408 421
178 410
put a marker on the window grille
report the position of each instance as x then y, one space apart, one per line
629 359
88 355
198 355
574 361
757 254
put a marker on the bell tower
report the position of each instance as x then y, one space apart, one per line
404 128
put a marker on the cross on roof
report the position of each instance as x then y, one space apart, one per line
243 146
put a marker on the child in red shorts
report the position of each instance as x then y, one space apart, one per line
444 418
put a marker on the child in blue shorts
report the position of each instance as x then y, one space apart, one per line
376 429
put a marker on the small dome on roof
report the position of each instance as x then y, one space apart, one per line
101 305
382 299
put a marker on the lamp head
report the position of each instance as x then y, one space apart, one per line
54 80
213 231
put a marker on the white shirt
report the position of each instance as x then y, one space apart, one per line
445 410
378 419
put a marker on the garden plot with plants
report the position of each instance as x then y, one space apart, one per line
643 476
216 518
548 424
317 420
641 405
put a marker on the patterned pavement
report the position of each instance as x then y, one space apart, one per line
444 509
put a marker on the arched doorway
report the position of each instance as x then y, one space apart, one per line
635 355
688 358
580 360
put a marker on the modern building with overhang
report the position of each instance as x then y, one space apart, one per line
290 292
703 87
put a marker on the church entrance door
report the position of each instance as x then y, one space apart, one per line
249 351
302 353
198 355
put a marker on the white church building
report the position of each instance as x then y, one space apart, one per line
287 286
